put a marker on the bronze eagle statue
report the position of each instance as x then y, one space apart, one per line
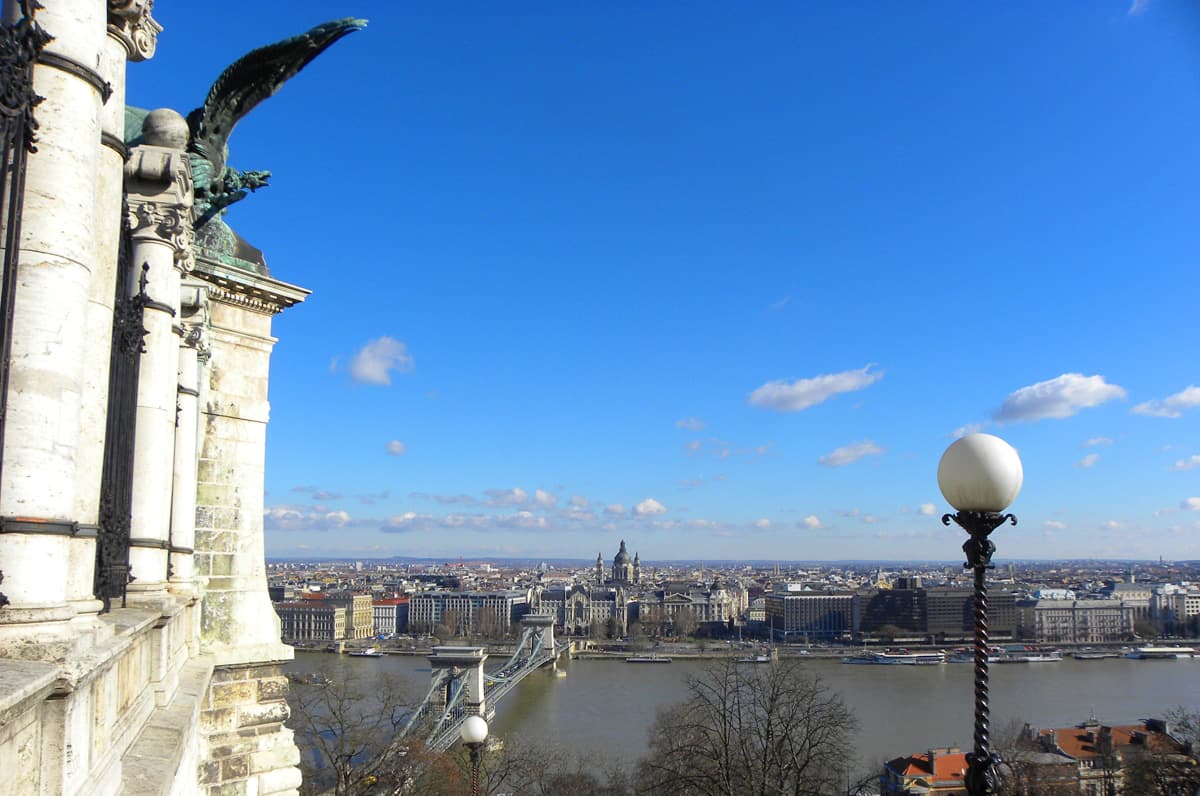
241 87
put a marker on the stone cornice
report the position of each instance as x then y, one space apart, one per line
235 286
129 21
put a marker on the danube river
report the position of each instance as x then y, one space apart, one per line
605 707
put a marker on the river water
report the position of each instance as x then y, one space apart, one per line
605 707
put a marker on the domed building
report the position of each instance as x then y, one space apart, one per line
625 571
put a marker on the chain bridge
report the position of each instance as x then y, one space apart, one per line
461 687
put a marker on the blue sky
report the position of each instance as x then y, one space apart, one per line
723 280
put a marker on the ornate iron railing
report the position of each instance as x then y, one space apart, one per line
116 492
21 43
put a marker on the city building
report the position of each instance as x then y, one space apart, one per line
713 604
390 615
360 616
937 772
580 608
813 615
467 612
312 620
1076 621
1104 755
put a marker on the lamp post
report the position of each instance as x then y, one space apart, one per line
474 732
980 475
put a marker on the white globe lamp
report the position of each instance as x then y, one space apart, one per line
474 730
980 472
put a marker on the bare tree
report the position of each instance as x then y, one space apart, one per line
684 623
750 731
345 731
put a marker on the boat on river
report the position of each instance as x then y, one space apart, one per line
369 652
648 659
754 659
1029 655
902 658
1151 652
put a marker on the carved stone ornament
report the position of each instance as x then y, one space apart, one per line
158 192
130 21
172 225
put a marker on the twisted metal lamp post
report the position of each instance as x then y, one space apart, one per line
474 732
980 476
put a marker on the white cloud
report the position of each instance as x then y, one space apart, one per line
848 454
1094 441
614 510
544 499
928 509
969 428
801 394
1187 464
1190 504
506 497
305 518
397 448
579 501
1088 461
1110 525
1054 525
1138 7
1172 405
690 423
376 360
1057 398
762 522
812 522
649 507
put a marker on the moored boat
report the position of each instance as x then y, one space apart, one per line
648 659
369 652
904 658
1151 652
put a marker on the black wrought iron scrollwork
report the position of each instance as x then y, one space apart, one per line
113 573
21 43
983 765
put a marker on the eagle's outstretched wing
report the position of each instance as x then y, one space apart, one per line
250 80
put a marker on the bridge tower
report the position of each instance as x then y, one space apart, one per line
543 627
465 665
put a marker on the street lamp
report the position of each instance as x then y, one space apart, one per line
474 732
980 475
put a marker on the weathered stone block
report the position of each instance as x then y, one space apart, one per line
227 695
221 720
272 689
235 768
267 713
210 773
284 780
271 759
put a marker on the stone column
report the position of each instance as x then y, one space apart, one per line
132 35
192 352
158 187
43 440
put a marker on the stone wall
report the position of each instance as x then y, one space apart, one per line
249 748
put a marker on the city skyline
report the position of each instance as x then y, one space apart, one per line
724 283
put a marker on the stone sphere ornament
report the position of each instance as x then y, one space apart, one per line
980 472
